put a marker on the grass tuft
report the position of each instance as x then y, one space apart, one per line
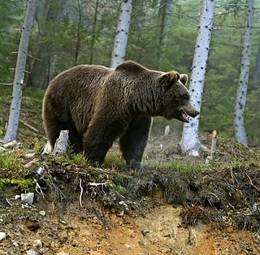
178 166
10 162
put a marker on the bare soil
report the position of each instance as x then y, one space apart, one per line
158 232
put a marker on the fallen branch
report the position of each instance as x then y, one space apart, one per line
11 144
29 126
96 184
251 182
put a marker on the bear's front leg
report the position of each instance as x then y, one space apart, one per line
134 140
99 138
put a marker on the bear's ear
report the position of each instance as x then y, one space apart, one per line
184 79
169 79
130 67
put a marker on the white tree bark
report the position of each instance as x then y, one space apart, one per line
121 38
19 72
190 143
239 126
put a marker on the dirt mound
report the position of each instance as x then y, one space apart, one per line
229 194
113 210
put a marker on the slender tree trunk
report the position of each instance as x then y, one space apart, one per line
190 143
93 36
77 48
239 126
43 69
123 24
19 73
139 7
166 10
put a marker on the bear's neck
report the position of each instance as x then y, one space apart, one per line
144 101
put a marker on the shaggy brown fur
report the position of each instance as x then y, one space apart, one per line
98 104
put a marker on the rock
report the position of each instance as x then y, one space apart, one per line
27 198
16 197
37 244
32 252
42 213
2 236
62 253
40 171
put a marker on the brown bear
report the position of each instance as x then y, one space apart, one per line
99 104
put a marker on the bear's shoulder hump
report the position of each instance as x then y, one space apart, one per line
130 67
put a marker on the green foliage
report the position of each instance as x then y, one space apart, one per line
113 160
74 159
186 167
23 184
10 162
120 189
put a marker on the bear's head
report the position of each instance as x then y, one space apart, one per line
175 101
157 93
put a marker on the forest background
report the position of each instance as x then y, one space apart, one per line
71 32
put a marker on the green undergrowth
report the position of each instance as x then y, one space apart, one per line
181 166
12 171
11 163
21 183
74 159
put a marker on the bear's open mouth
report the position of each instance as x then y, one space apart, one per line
184 116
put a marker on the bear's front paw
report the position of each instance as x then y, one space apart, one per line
136 166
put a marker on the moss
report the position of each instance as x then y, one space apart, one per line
120 189
10 162
23 184
114 160
74 159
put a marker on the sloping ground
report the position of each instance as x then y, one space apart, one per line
30 113
79 209
114 211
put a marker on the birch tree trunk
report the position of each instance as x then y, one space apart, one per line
190 143
123 24
239 126
166 8
19 73
78 37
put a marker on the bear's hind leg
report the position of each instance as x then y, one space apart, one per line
134 140
52 129
75 140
